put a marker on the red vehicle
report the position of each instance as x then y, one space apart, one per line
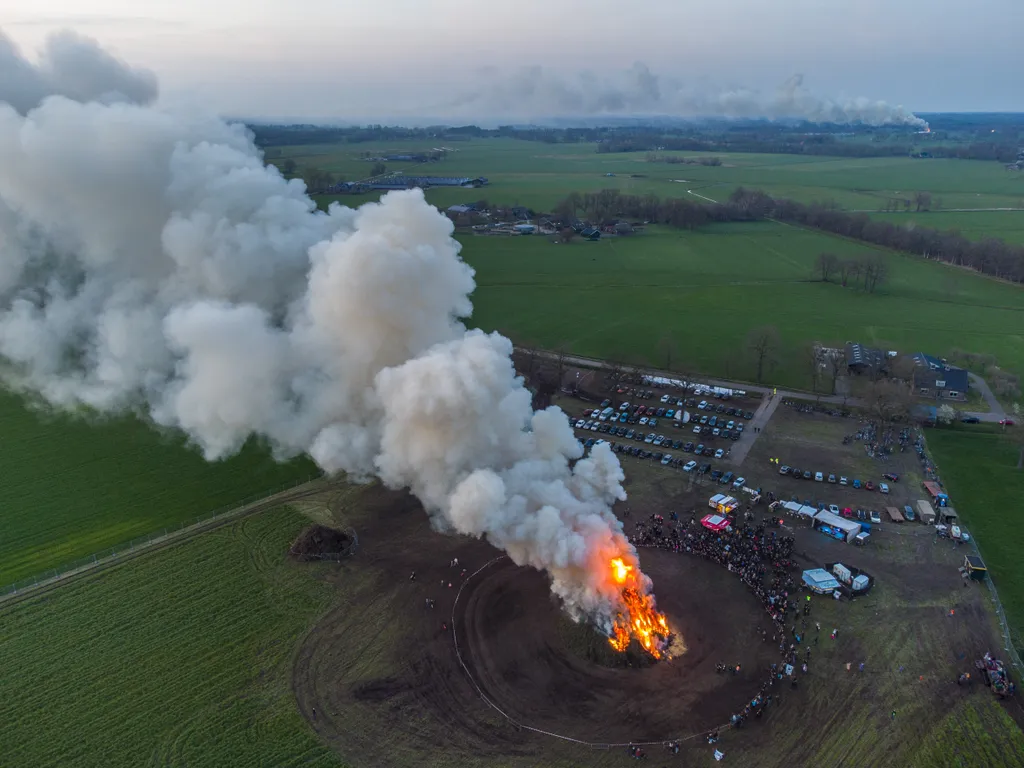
847 512
869 485
715 523
1006 422
588 411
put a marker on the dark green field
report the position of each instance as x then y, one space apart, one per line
980 472
619 298
178 658
73 487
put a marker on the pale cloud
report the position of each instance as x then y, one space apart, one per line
338 58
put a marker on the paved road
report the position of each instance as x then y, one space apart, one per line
996 409
767 408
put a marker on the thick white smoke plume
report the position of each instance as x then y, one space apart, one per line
72 66
150 261
535 93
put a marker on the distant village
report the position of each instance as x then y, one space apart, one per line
483 219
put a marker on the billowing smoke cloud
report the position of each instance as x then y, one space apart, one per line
535 93
152 262
71 66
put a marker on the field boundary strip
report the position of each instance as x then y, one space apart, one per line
522 726
27 588
1004 625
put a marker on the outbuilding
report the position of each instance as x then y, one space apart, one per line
846 528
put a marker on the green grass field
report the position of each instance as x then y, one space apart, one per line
539 175
182 657
618 298
72 487
979 469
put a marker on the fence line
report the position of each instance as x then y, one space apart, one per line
1008 642
523 726
95 559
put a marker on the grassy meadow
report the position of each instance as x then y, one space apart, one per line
979 469
74 487
620 298
182 658
539 175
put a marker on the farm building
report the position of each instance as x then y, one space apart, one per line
861 359
933 378
591 234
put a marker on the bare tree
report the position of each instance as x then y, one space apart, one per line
666 351
825 265
561 363
902 369
923 200
288 167
836 366
763 346
875 270
814 359
886 401
566 235
851 271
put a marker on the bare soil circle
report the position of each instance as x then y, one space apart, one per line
540 670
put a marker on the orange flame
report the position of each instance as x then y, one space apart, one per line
640 619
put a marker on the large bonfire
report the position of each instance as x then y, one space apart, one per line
638 618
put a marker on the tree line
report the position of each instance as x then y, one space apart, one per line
988 256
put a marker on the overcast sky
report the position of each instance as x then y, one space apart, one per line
378 58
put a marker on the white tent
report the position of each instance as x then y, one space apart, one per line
808 511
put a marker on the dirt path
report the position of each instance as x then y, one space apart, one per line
310 488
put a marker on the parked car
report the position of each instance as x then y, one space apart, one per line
650 438
883 487
660 412
856 483
891 477
730 425
908 512
689 466
725 433
844 481
670 413
666 459
807 474
623 418
605 403
869 486
831 478
657 440
726 478
664 398
739 482
696 429
797 473
970 420
818 477
703 405
630 434
833 509
716 432
716 474
713 421
875 517
784 470
719 453
579 424
704 468
1007 422
748 415
652 422
704 419
688 447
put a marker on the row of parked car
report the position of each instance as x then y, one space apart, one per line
658 441
867 485
668 460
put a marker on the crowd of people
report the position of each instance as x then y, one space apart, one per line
761 556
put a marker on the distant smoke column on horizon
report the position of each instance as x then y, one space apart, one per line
152 262
538 93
